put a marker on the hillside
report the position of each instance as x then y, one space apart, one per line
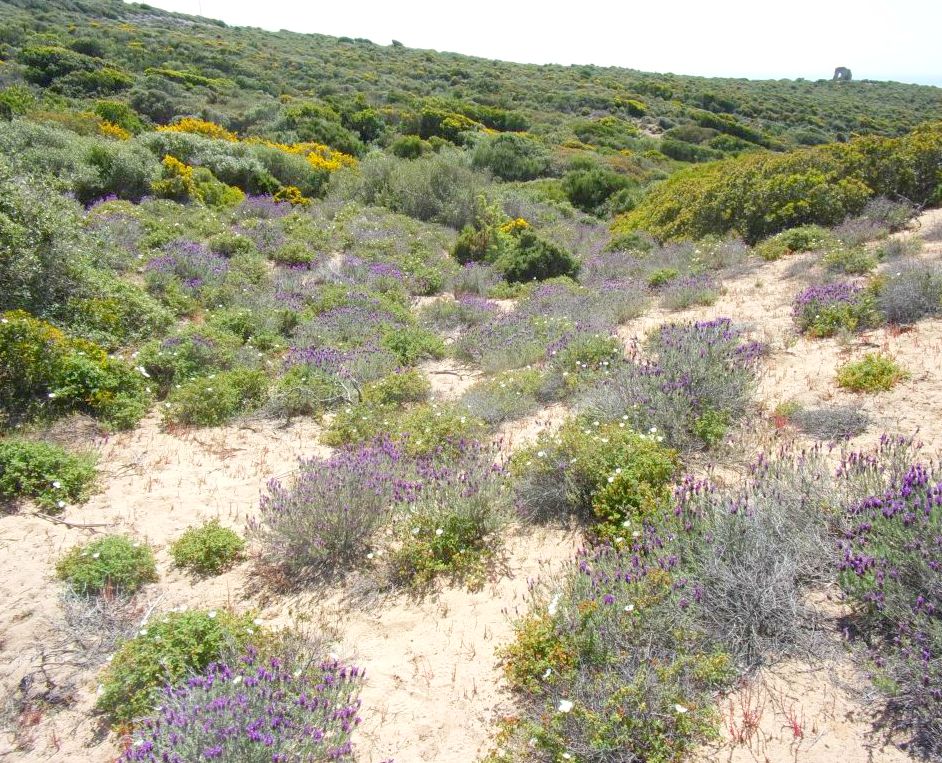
363 403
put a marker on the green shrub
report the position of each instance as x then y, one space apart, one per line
506 396
412 344
194 351
589 189
662 276
875 372
166 651
453 524
44 372
410 147
306 390
758 194
855 260
208 549
421 428
805 238
44 472
119 114
606 472
404 386
534 258
113 564
512 157
215 399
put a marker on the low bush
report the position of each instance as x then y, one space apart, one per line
208 549
193 352
805 238
452 520
874 372
913 292
889 567
466 310
111 565
217 398
695 381
896 247
168 650
46 473
761 193
687 291
831 424
823 311
404 386
509 395
534 258
855 260
255 710
419 429
606 473
46 373
509 341
412 343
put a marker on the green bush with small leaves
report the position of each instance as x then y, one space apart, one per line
215 399
405 386
113 564
805 238
46 473
875 372
165 651
208 549
411 344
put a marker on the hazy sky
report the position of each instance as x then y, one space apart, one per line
738 38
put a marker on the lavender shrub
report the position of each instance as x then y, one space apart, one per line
255 711
695 380
825 310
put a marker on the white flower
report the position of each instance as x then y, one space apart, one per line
541 454
56 484
143 372
553 605
548 673
630 608
439 531
652 430
415 530
60 504
565 705
611 479
567 756
211 614
257 621
52 395
143 631
96 555
237 680
369 556
680 709
636 534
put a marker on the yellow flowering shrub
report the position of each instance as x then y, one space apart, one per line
200 127
111 130
291 194
514 226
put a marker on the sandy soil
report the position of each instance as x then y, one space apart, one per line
434 685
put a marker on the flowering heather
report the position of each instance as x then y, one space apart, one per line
329 513
266 234
891 568
823 310
255 711
191 263
329 516
262 208
510 341
345 327
697 378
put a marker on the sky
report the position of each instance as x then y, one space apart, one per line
756 39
